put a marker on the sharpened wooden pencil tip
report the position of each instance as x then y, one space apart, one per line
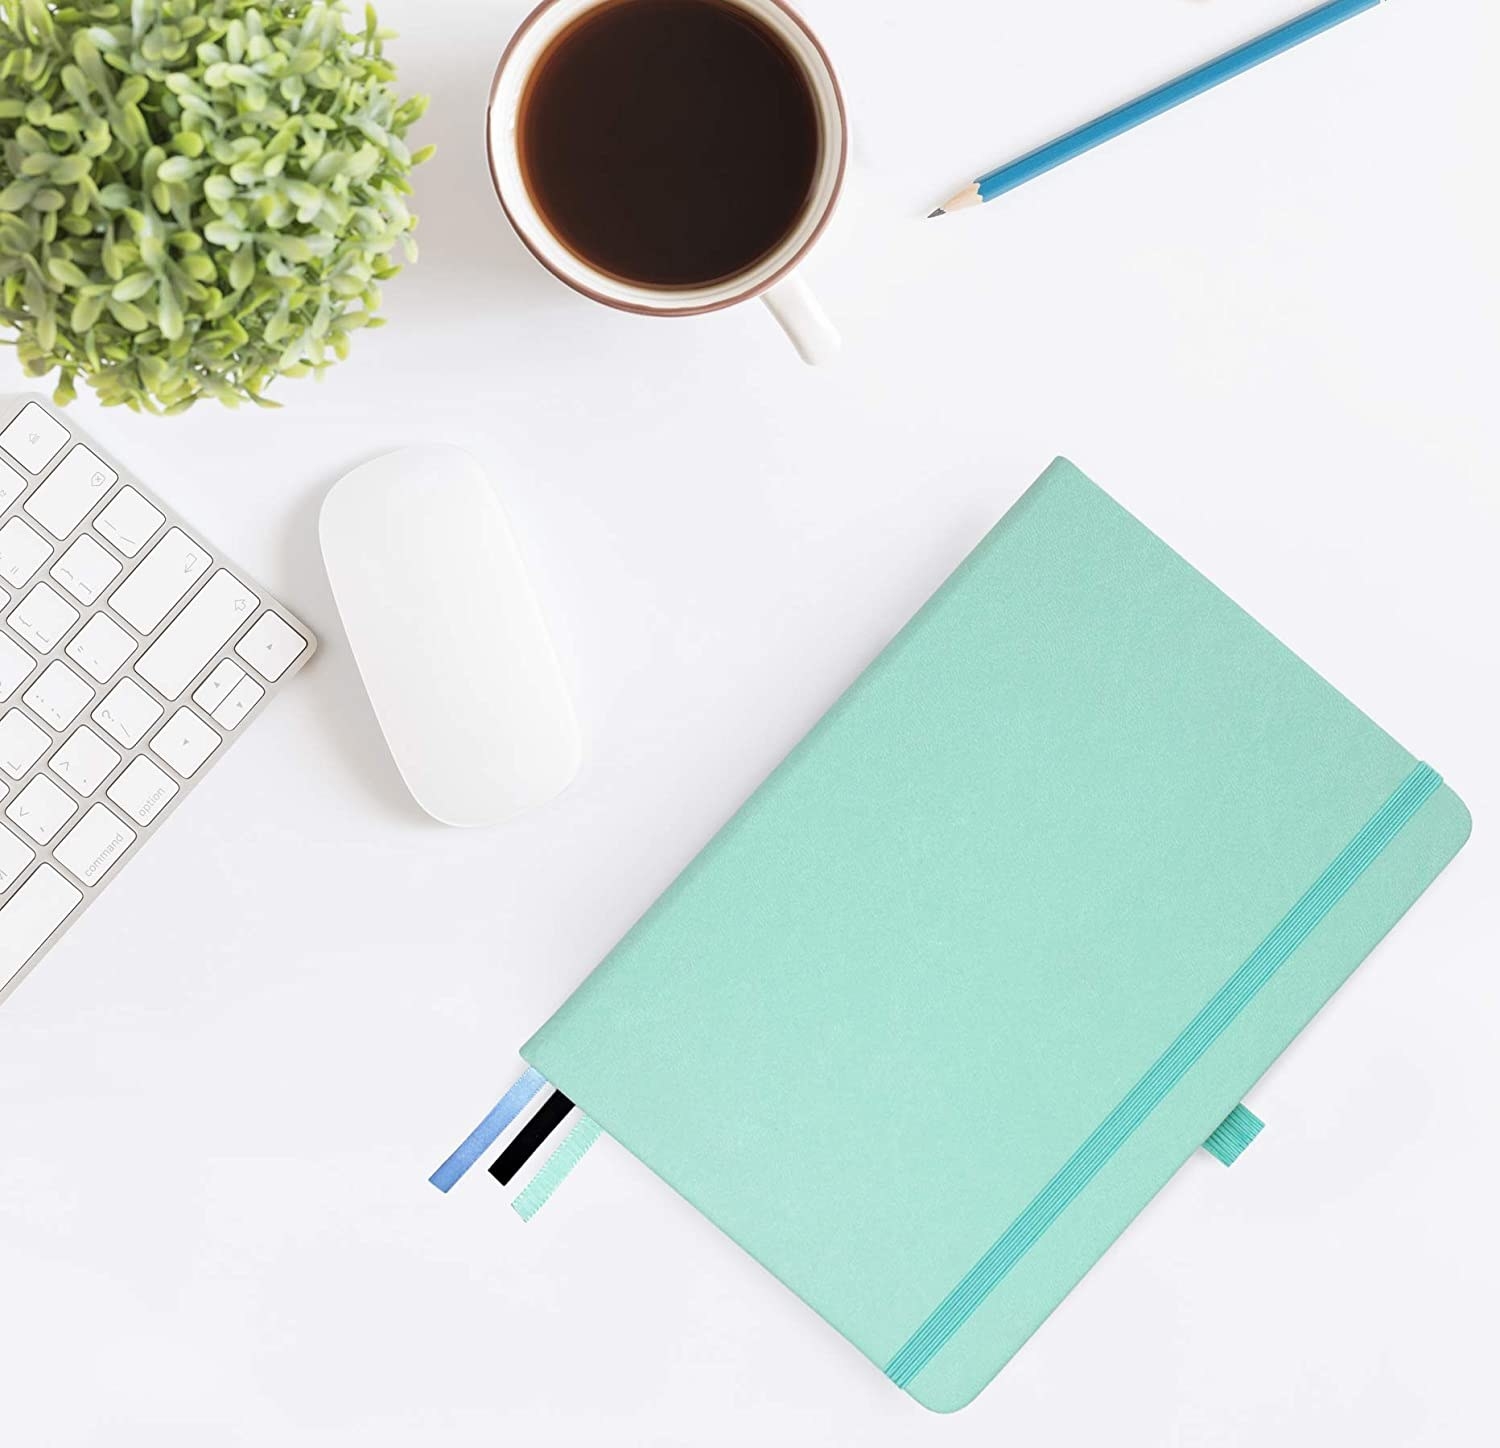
969 196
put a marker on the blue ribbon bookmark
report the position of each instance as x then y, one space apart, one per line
509 1106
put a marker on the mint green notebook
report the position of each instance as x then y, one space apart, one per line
1003 940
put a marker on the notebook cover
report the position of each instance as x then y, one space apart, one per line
899 994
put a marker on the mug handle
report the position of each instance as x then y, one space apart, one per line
804 321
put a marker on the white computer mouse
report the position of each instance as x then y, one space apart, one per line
448 635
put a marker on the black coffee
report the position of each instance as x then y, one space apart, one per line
669 142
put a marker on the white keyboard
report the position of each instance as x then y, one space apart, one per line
131 656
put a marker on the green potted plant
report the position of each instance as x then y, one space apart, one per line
196 196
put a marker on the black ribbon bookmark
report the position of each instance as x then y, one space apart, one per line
530 1136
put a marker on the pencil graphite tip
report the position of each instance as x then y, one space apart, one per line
938 212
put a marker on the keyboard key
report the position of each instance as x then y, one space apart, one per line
197 634
101 646
12 485
143 790
15 855
242 699
59 695
43 617
34 438
128 521
22 551
161 579
75 487
22 743
85 761
271 646
94 844
127 712
41 809
31 915
185 741
119 681
15 665
86 569
218 685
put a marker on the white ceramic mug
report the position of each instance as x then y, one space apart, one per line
773 278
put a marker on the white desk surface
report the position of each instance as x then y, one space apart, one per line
1268 324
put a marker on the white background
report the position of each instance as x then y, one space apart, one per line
1267 324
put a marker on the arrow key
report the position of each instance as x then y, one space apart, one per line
271 646
218 685
185 741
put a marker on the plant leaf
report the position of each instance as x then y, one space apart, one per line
196 196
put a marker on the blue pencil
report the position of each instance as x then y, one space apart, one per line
1163 98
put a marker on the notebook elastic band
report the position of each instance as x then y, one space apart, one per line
505 1110
1153 1088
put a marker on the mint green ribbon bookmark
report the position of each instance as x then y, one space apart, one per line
555 1169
